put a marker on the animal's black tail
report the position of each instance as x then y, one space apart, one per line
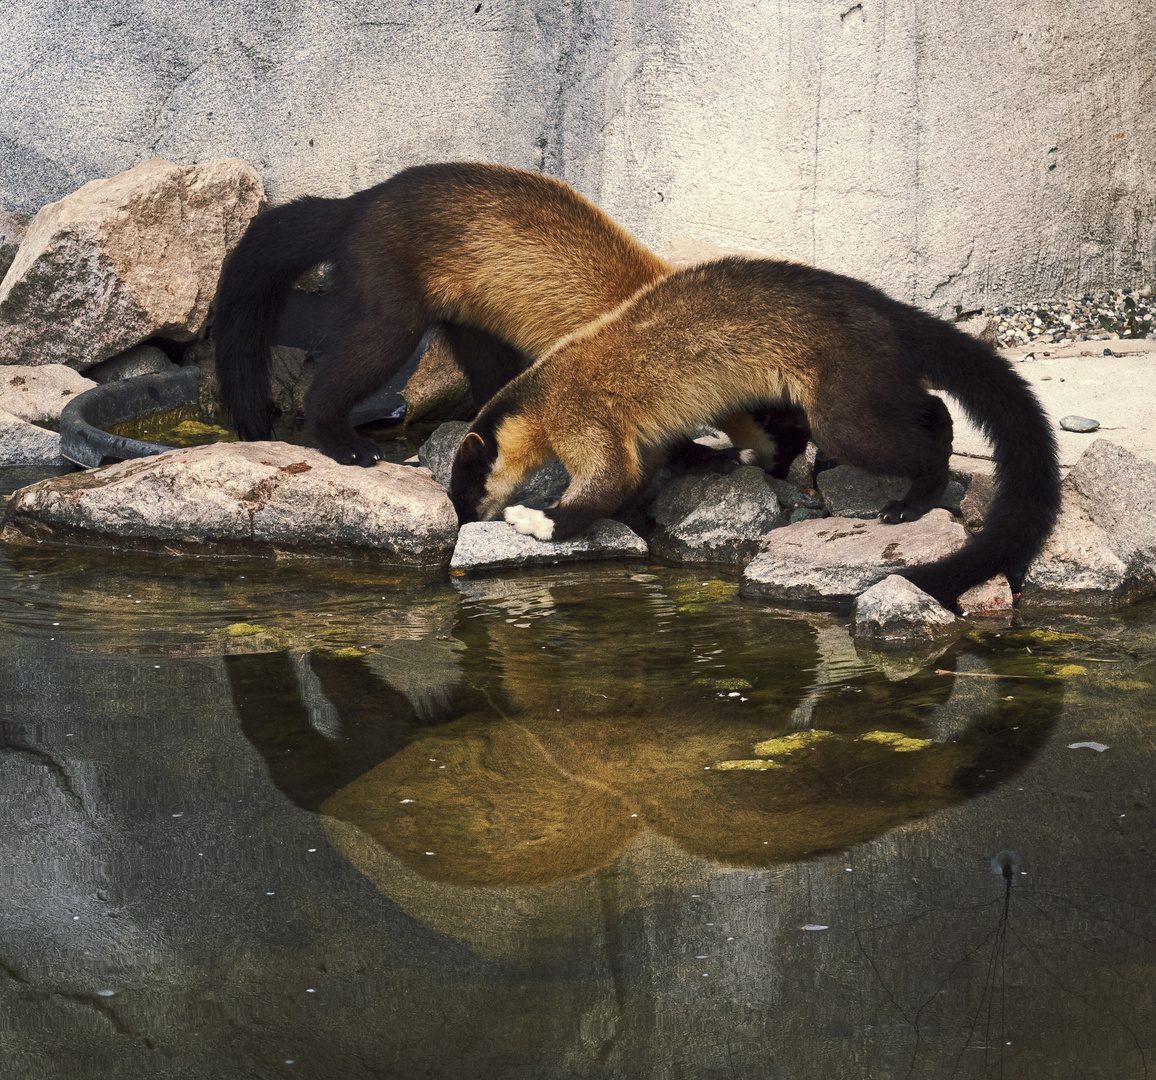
278 247
1003 406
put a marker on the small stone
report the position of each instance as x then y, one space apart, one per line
1079 423
438 451
896 616
703 517
989 600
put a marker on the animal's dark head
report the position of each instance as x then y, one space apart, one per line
471 468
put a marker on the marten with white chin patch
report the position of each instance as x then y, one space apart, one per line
737 334
505 261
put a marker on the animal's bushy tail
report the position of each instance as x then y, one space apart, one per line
278 247
1003 406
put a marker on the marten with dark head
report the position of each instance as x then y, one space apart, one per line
736 334
505 261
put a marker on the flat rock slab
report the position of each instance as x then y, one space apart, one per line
260 498
22 443
1102 552
38 394
123 259
829 561
491 545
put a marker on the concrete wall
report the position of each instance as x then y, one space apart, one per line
952 153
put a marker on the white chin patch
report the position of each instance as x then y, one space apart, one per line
530 522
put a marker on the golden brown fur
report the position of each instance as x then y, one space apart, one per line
505 261
737 334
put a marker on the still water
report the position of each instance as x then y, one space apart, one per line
274 820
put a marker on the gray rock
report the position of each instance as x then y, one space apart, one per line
437 452
22 443
545 487
38 394
12 230
974 505
801 471
1079 423
851 492
490 545
259 498
792 497
805 513
1102 551
140 360
828 562
896 616
123 259
952 498
438 389
704 517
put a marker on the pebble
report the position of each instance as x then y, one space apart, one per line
1061 321
1078 423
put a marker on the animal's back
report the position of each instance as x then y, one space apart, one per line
513 252
726 335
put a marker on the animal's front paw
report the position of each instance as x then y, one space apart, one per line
530 522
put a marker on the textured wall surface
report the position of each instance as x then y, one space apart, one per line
953 153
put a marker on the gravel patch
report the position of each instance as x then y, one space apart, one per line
1120 313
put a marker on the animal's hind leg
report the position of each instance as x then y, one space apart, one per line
487 361
364 356
929 482
890 436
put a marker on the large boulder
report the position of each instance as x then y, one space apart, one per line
1102 551
258 498
829 561
124 259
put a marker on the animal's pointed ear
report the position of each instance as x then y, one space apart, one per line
472 448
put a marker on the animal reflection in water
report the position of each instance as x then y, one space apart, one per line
499 797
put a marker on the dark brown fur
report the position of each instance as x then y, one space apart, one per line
506 261
737 334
